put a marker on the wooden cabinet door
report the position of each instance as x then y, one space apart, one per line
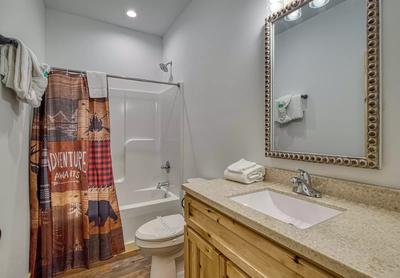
201 259
232 271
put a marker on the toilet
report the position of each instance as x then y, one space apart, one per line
162 239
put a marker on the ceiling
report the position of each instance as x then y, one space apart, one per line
153 16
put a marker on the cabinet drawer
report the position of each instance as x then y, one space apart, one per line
253 253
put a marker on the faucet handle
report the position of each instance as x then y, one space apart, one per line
305 176
167 166
301 171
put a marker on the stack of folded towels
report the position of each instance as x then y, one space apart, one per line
245 172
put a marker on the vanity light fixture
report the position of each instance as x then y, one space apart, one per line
275 5
131 13
295 15
318 3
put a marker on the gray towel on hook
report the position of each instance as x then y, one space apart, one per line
21 71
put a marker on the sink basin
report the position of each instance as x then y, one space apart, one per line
299 213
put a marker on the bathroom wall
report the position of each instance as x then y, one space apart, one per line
217 48
80 43
23 19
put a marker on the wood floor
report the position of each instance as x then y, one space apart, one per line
131 264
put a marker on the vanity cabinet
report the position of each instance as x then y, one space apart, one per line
203 259
218 246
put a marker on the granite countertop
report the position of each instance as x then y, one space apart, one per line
363 241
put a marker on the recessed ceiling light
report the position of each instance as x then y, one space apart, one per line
131 13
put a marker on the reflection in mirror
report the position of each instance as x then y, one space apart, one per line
319 79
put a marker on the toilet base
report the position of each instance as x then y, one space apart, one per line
164 266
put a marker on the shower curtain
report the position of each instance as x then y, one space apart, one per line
75 218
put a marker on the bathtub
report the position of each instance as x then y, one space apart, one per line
140 206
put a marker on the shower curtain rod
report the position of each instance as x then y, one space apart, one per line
121 77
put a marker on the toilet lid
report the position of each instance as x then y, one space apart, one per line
162 228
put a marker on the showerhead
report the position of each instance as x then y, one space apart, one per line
164 67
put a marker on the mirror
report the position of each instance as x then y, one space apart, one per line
322 82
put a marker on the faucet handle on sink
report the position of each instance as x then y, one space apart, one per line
305 176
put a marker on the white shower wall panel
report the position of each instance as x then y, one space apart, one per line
171 143
135 137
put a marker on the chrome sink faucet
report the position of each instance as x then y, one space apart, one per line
302 185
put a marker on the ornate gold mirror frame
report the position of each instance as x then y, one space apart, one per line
373 118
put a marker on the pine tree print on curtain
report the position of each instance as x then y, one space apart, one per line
75 217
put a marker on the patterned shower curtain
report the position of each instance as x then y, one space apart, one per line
75 218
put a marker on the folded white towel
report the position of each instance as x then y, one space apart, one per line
288 108
21 71
241 165
97 82
250 175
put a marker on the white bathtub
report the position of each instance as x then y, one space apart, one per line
139 206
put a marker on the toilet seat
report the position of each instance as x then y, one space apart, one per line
165 229
144 244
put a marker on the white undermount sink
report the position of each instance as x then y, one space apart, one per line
299 213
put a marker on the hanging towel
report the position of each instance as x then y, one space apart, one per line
281 105
288 108
97 82
241 165
295 110
21 71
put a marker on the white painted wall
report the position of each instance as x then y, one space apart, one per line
80 43
217 48
23 19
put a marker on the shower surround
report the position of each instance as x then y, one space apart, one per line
146 125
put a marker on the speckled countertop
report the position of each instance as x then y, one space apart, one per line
363 241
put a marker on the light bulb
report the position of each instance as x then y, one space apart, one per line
131 13
275 6
318 4
296 14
